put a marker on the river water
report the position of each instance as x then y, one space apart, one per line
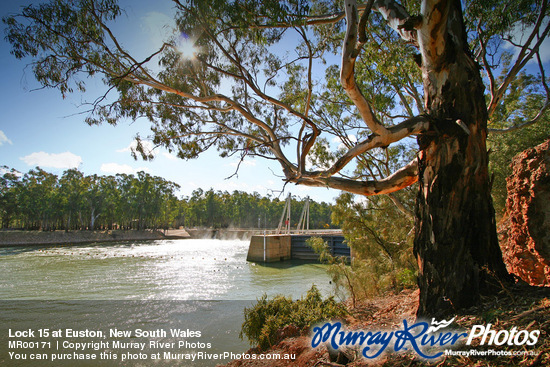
196 285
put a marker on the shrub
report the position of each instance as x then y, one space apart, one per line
380 236
263 320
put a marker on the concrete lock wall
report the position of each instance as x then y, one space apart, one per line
277 248
273 248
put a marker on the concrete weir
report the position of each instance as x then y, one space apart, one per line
280 247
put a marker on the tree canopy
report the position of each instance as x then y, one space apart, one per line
42 200
332 91
243 90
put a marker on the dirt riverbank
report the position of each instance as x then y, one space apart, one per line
25 238
519 306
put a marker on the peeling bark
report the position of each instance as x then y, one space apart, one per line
456 243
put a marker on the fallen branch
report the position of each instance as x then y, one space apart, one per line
529 312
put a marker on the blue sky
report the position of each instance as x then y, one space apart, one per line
40 128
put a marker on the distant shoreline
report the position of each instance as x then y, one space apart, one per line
10 238
29 238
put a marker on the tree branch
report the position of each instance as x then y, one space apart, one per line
536 119
398 19
248 80
409 127
401 207
350 52
486 66
402 178
524 56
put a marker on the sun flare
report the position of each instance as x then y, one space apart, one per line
186 47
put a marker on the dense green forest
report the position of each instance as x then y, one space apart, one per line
73 201
243 210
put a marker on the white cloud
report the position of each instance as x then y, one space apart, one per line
351 138
4 139
52 160
114 168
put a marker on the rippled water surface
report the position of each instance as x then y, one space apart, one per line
190 284
160 270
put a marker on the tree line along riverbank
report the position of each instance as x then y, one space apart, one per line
73 201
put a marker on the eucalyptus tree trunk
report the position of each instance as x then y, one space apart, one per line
456 242
93 217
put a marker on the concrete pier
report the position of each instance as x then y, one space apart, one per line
269 248
281 247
